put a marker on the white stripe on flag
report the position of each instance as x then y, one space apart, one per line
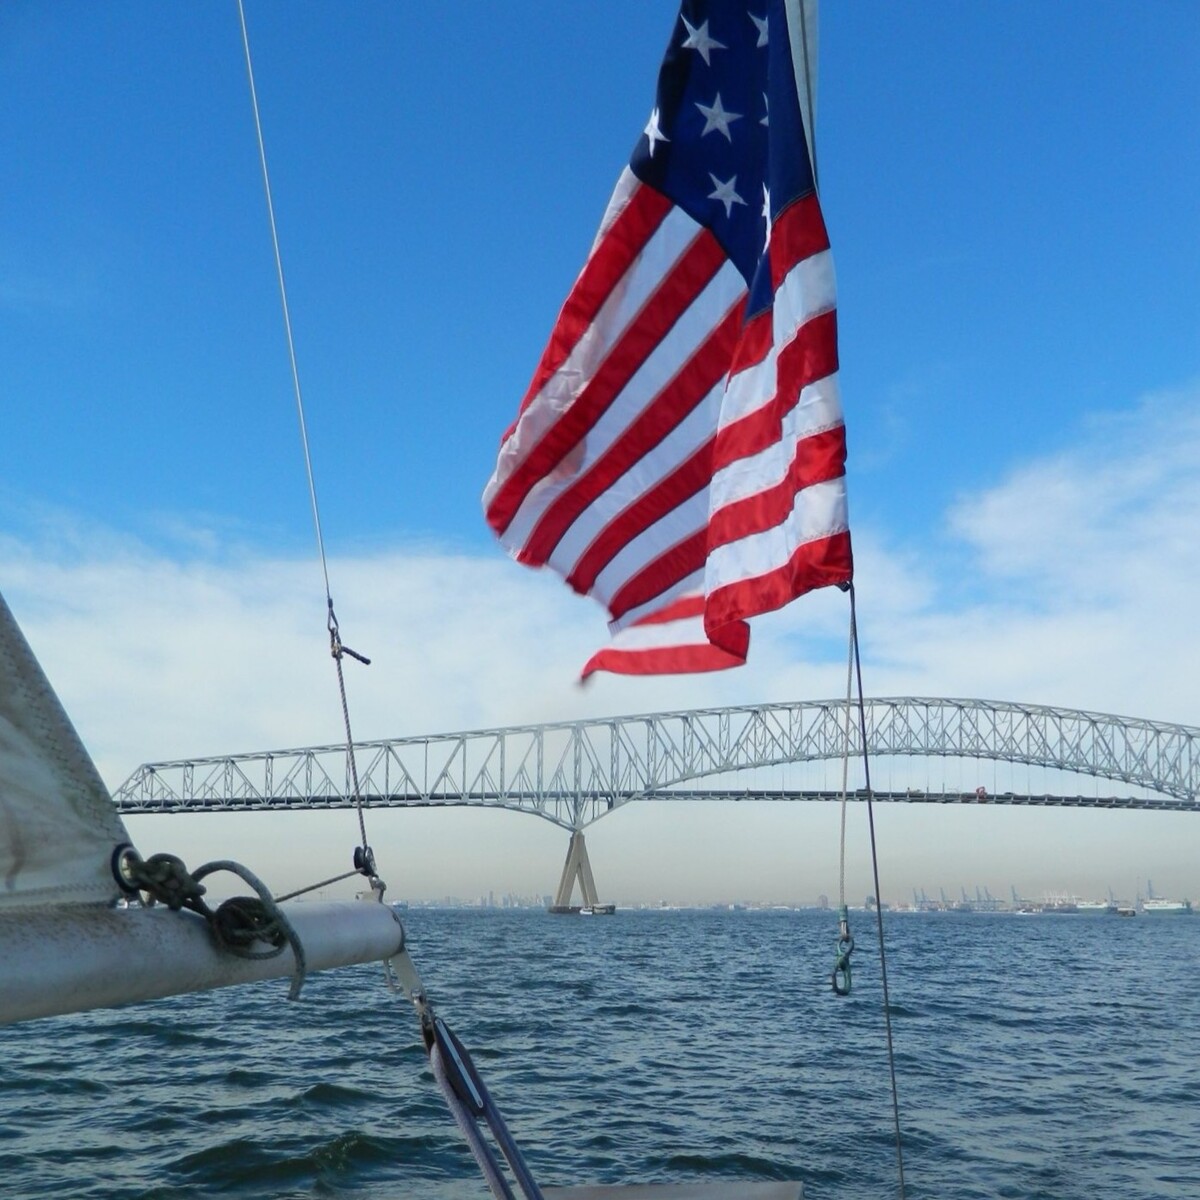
818 512
687 335
818 409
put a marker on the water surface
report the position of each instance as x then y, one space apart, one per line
1038 1058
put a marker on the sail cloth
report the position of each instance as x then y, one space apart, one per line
58 824
680 453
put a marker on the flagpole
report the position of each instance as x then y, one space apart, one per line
803 28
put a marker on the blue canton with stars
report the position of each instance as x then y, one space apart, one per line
726 129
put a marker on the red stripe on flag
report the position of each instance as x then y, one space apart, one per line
673 657
685 558
754 344
797 233
666 660
695 380
691 476
818 459
624 240
811 355
816 564
683 283
677 610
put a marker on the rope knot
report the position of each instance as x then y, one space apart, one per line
237 925
241 921
166 880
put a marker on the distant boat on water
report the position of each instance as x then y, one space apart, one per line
1158 906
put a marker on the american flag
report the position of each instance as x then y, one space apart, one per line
680 453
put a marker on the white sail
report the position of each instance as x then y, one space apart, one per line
63 946
58 825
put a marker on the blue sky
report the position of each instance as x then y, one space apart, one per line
1011 194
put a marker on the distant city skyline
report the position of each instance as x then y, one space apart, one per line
978 900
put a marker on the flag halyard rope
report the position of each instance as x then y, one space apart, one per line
450 1061
364 859
841 979
887 1007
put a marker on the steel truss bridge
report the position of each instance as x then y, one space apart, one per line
576 772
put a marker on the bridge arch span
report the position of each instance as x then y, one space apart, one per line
1151 755
574 773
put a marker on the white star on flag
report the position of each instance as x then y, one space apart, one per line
715 117
725 193
698 40
653 133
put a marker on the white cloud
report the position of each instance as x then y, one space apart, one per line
1109 520
1088 568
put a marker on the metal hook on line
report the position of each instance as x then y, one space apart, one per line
845 947
336 648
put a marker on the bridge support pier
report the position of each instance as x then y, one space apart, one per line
578 868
